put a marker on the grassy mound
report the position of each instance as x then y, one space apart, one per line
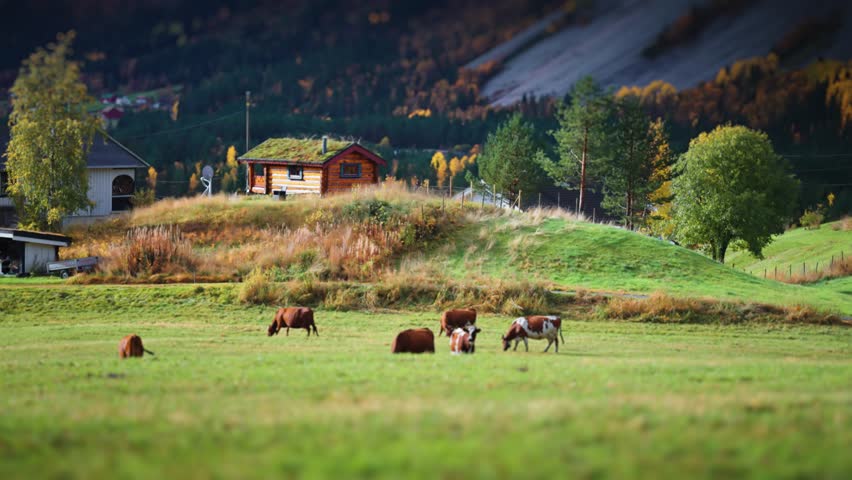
392 237
570 254
346 237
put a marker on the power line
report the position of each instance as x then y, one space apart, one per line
829 169
816 155
188 127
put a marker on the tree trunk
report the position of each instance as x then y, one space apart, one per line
723 247
583 168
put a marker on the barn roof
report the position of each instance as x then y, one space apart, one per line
106 152
301 150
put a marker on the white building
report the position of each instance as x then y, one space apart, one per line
22 251
112 181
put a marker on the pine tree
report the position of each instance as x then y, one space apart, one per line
580 137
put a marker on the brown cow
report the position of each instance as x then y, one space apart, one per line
462 340
131 346
536 327
457 318
293 317
415 340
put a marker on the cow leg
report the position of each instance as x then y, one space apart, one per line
549 343
316 333
517 341
526 344
308 329
288 331
557 344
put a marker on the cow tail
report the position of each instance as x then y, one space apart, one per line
149 352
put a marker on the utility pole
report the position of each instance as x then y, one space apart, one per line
248 106
248 165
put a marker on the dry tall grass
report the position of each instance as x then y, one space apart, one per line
150 250
663 308
351 236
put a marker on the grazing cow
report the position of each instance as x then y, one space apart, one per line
415 340
458 318
131 346
293 317
536 327
462 340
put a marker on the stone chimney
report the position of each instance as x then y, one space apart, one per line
324 144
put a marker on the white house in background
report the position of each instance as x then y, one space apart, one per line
112 181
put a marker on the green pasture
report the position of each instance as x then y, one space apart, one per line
602 257
797 247
220 399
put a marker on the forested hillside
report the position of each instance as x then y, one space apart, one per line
412 75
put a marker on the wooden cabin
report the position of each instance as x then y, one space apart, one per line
309 166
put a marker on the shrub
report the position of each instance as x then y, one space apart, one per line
143 198
811 219
257 288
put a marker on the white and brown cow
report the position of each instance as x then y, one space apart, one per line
462 340
537 327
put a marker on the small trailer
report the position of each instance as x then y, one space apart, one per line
66 268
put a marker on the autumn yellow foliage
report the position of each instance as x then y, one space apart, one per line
439 163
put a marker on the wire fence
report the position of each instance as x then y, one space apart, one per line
839 265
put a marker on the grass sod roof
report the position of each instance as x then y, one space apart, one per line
297 150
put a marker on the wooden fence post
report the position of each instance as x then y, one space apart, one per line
775 275
539 199
594 214
559 200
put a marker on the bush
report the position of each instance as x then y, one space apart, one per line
811 219
143 198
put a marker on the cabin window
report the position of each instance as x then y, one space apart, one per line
123 189
350 170
257 169
295 173
4 183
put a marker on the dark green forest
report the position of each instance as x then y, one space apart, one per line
391 72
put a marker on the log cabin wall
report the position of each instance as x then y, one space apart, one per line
311 181
334 183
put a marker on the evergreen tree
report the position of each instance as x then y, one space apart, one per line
508 159
629 173
580 137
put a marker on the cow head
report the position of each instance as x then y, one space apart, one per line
506 343
272 330
472 330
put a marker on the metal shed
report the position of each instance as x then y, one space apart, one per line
23 251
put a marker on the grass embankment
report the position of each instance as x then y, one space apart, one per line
220 399
816 249
576 254
388 236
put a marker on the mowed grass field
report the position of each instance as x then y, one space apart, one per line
221 399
